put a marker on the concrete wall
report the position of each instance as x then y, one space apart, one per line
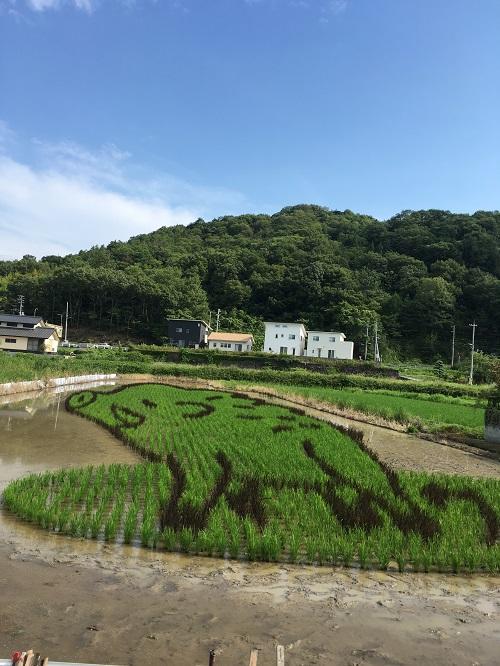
41 384
492 434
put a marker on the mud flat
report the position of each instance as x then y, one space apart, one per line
82 600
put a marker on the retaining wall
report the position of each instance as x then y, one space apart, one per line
40 384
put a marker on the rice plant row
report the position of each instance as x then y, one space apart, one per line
230 476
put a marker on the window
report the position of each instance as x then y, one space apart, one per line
316 338
283 350
178 330
282 335
278 325
331 353
293 351
11 341
187 330
270 349
276 335
285 325
291 336
225 345
331 339
214 344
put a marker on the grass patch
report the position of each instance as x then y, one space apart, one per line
217 484
433 413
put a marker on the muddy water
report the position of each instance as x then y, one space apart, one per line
90 602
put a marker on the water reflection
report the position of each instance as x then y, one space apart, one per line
37 434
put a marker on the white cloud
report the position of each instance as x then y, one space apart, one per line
68 198
45 212
42 5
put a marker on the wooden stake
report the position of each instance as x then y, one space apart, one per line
253 657
29 659
280 655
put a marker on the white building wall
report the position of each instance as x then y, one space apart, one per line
329 344
284 338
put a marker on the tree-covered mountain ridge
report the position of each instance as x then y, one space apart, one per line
417 274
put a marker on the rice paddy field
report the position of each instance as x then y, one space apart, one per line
230 476
425 412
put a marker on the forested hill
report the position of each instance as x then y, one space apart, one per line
417 274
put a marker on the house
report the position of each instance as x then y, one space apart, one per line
238 342
328 344
284 338
30 334
19 321
187 332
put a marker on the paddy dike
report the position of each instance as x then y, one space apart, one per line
90 602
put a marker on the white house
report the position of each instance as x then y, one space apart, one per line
235 342
284 338
328 344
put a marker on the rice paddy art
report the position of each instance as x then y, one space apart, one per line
231 476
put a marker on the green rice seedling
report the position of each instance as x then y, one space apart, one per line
278 485
169 538
294 544
186 539
130 526
252 539
363 553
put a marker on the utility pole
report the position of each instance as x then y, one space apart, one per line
66 328
20 300
453 347
376 353
366 341
218 319
471 375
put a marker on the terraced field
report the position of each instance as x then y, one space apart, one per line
426 412
226 475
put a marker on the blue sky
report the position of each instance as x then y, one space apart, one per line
119 116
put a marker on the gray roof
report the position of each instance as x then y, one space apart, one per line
200 321
40 332
20 319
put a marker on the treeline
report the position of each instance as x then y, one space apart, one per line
417 274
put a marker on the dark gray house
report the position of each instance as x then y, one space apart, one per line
187 332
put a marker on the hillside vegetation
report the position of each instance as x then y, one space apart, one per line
417 273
